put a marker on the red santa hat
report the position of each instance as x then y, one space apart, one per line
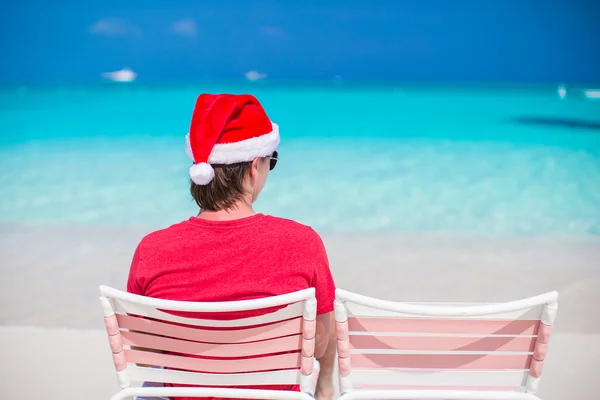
228 129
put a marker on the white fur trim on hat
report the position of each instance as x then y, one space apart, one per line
242 151
202 173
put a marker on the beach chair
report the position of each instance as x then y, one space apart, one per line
450 351
276 348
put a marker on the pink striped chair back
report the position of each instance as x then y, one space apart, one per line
151 341
443 350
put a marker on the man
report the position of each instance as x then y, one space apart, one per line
228 251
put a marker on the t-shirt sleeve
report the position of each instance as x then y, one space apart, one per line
322 279
133 285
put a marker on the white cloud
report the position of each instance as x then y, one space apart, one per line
185 27
255 76
274 31
114 27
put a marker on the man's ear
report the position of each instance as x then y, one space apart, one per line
254 168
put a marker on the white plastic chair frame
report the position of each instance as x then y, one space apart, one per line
276 348
394 350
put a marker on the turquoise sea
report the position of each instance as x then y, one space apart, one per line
470 160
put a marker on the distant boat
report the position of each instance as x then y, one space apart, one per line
591 93
562 92
254 76
122 75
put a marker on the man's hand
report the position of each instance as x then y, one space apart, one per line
324 389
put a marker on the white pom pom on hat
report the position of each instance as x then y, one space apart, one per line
228 129
202 173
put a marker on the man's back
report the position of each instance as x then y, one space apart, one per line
247 258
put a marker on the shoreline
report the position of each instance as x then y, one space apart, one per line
12 227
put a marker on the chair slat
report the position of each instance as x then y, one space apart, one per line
285 377
152 342
279 329
445 311
514 378
489 343
443 325
442 361
370 394
291 311
359 310
430 387
221 366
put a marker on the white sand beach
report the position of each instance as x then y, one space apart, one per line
83 369
51 334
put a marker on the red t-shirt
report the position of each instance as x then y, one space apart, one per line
247 258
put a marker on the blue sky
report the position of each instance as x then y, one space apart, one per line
379 40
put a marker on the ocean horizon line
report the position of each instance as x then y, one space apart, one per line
330 84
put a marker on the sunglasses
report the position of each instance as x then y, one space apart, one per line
273 160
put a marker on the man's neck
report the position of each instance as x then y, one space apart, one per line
239 211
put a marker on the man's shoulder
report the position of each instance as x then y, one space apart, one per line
294 228
164 234
285 223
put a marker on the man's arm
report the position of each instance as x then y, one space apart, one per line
325 347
